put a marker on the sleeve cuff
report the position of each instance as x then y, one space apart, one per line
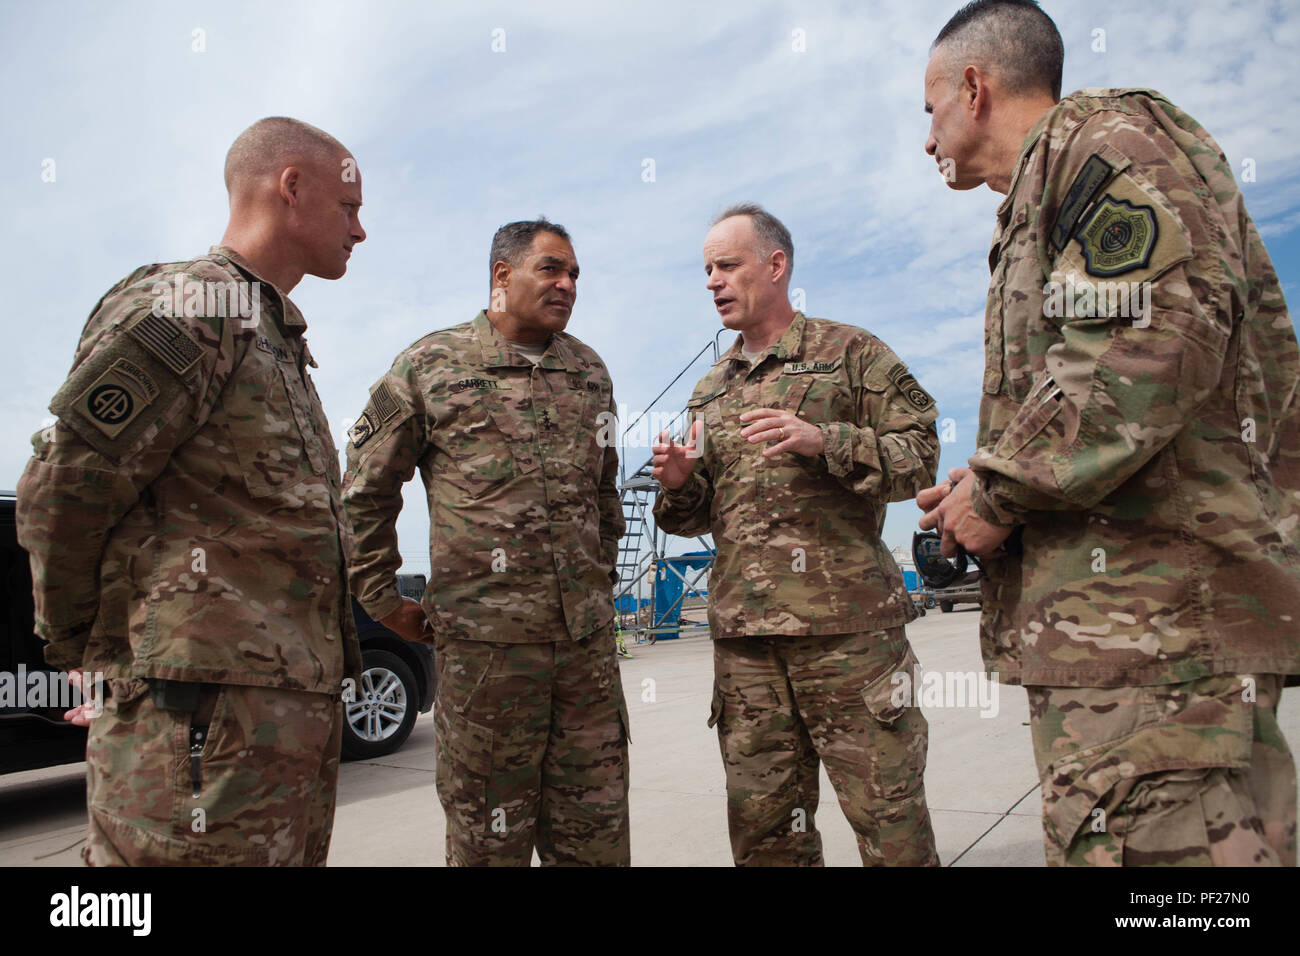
688 497
837 447
990 502
388 600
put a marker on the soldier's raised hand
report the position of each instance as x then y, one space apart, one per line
673 463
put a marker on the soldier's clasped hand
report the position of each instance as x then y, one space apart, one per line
955 519
790 432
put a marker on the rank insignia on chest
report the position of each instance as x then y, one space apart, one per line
546 418
1117 237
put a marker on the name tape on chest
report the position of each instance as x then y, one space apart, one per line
280 352
467 384
799 368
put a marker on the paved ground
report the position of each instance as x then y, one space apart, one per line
981 782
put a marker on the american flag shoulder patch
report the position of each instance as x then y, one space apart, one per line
168 340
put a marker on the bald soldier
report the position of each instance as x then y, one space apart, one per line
503 416
803 431
183 518
1136 486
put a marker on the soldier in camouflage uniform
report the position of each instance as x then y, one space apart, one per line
801 434
1139 434
183 521
510 423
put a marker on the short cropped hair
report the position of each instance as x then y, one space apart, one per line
1013 39
770 232
272 143
513 240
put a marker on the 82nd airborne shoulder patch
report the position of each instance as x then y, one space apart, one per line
1118 237
114 399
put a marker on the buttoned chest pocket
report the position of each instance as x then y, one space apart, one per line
265 422
818 397
576 430
719 441
1015 270
484 445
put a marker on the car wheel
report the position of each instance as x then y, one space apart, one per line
382 712
945 606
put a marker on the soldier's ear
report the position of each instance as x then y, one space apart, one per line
500 273
778 264
288 184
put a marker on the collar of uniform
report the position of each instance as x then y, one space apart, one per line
287 316
1022 159
788 346
497 350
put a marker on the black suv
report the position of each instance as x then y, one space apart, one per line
398 682
397 685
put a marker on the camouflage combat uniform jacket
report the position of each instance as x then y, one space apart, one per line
521 472
183 515
798 538
1153 462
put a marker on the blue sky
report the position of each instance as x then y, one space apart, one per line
454 139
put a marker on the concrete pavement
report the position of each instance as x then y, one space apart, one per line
980 780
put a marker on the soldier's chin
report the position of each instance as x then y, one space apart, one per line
334 270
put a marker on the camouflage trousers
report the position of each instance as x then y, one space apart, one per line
267 775
1192 774
782 703
532 752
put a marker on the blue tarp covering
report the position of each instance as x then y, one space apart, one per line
668 586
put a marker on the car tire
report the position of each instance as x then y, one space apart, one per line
383 710
945 606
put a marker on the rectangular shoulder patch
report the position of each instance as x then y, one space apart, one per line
799 368
168 340
382 401
1096 171
116 398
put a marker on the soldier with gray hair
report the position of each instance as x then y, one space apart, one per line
183 521
501 415
802 433
1135 489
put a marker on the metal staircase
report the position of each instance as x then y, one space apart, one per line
643 546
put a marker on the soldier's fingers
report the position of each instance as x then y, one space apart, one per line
929 521
754 428
957 474
777 449
697 428
948 544
755 413
927 498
